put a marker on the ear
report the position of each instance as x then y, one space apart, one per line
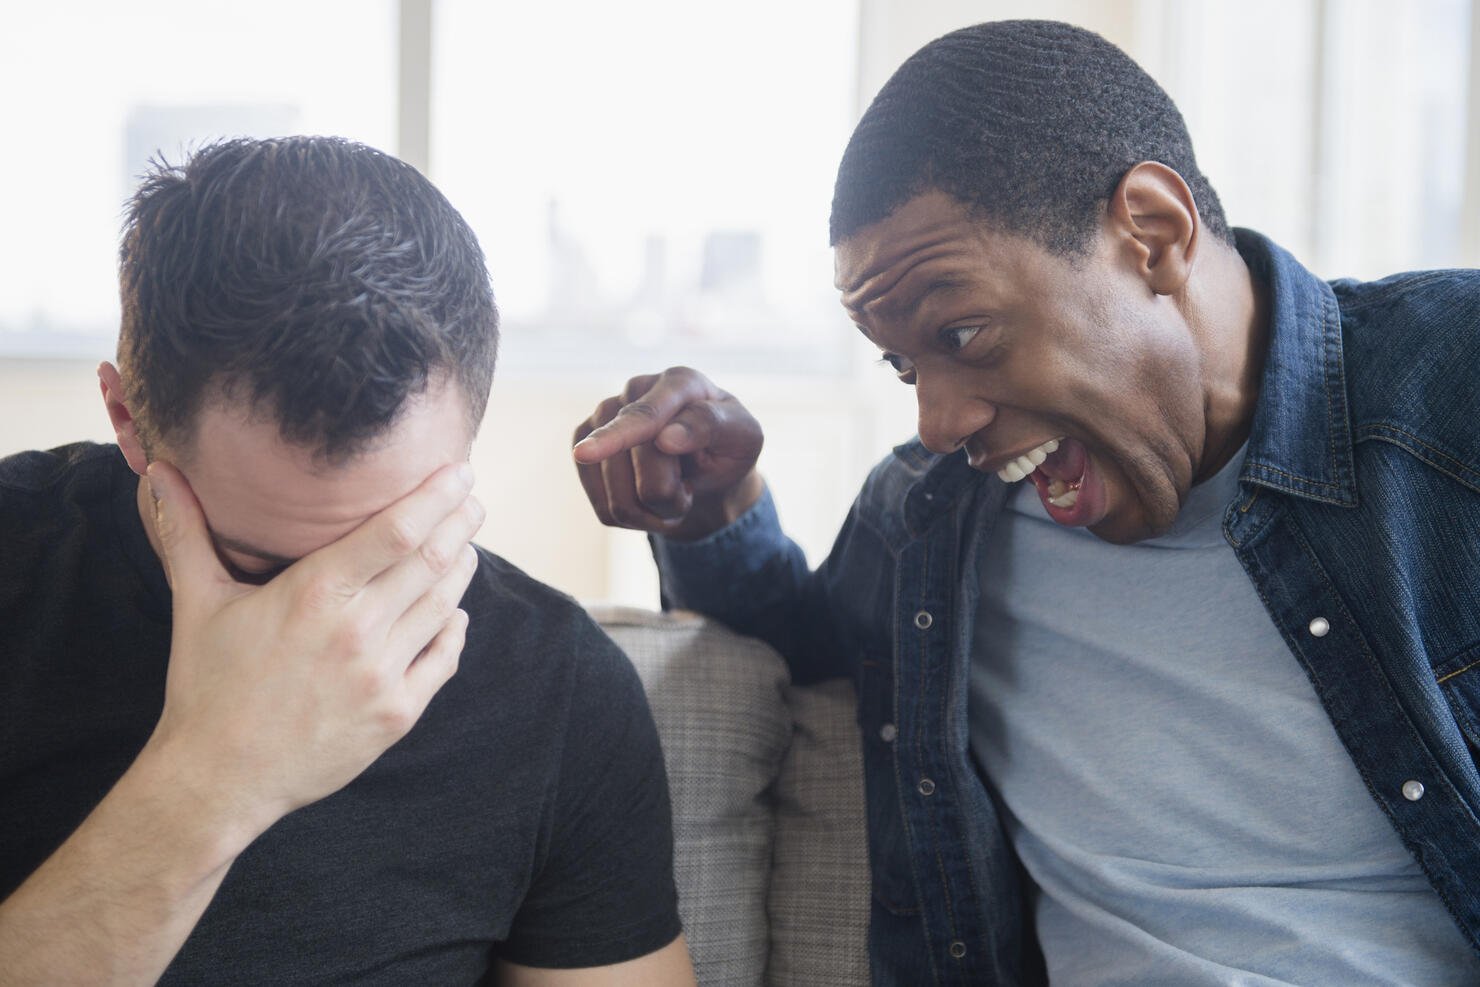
1154 207
124 427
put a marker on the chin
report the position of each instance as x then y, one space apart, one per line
1128 531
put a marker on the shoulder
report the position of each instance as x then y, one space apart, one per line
1434 292
534 634
42 490
1411 346
505 597
1429 317
56 517
40 473
1425 319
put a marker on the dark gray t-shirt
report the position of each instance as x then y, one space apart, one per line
525 816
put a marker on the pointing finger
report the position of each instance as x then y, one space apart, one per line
646 411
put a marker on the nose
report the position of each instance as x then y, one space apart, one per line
949 413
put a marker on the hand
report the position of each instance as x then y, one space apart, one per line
278 695
673 454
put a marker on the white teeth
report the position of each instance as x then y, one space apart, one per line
1057 488
1067 499
1028 462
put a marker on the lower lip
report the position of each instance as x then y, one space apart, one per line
1088 509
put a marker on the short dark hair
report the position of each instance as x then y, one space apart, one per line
1031 124
319 281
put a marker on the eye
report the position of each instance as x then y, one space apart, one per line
902 367
957 338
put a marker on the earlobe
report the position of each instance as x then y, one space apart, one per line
1154 206
124 428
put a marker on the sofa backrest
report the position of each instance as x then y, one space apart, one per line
770 850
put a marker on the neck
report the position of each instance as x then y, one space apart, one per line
1232 313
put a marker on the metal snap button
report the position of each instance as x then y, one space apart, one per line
888 732
1413 790
1319 627
958 949
927 787
923 620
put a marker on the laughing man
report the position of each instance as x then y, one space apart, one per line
1165 626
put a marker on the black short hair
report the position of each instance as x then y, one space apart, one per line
316 280
1031 124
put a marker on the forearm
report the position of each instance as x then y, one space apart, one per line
116 901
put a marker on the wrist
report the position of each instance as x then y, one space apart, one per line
713 511
189 805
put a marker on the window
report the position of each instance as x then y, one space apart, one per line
92 89
650 177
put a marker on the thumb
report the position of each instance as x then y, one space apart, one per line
185 541
721 428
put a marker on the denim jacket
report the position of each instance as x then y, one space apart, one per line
1358 521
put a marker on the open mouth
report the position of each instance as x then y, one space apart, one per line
1060 471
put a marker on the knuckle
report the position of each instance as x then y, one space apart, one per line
401 536
624 516
397 717
703 413
640 409
607 410
446 595
321 591
637 386
658 489
354 637
436 558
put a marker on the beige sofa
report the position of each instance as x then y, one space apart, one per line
770 851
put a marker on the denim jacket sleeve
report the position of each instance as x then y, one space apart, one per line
756 580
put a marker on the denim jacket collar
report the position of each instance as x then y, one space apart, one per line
1301 440
943 479
1304 381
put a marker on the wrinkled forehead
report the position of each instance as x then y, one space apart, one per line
929 242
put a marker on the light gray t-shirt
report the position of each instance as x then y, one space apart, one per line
1178 797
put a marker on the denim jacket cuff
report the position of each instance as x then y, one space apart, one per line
699 574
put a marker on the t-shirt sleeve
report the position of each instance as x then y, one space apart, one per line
603 890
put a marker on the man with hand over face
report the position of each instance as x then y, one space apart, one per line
269 716
1164 627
